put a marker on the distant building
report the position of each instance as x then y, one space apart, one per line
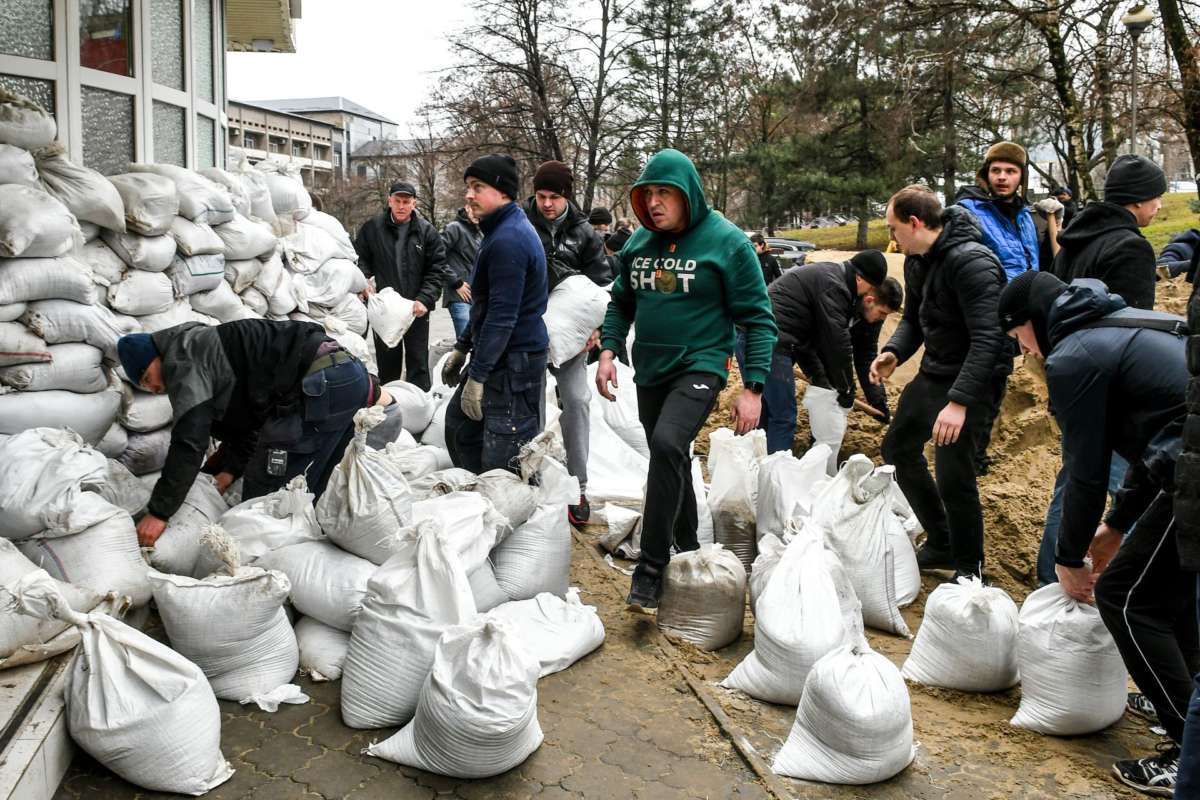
358 123
400 158
261 133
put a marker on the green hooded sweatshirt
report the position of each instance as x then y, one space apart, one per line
686 291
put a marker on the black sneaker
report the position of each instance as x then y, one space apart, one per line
1137 703
929 557
580 514
645 589
1151 775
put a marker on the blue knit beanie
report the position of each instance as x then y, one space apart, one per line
136 351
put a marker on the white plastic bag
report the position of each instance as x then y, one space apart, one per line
576 307
786 487
556 631
328 584
133 704
621 415
25 279
704 597
732 497
390 315
33 224
477 715
322 649
854 723
967 639
231 183
1073 681
86 193
151 202
418 593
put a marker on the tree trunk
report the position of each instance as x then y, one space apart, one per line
1187 57
1077 154
864 219
950 145
1104 85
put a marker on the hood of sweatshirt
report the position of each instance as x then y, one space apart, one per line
671 168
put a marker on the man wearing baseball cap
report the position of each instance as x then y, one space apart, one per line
401 249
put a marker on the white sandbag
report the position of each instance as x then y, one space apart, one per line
420 461
89 230
328 583
351 311
704 522
722 439
732 497
281 518
106 265
390 430
143 411
231 183
33 224
135 705
416 406
616 472
511 496
243 274
244 238
221 303
435 434
124 489
854 723
576 307
770 551
556 631
309 248
622 414
73 367
43 473
536 556
140 293
415 596
450 480
23 123
231 626
799 620
86 193
146 253
115 441
178 549
472 525
704 597
193 274
389 315
256 301
179 312
1073 681
151 202
25 639
11 312
25 279
200 200
967 639
329 285
322 649
905 570
283 300
333 227
17 166
786 487
288 195
194 238
484 589
624 536
89 415
19 345
62 321
105 557
477 715
859 533
269 275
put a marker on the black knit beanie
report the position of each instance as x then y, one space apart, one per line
498 171
554 176
599 215
1028 297
871 265
1133 179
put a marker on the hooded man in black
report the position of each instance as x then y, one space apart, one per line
461 238
1117 379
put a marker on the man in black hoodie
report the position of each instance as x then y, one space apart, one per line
1187 520
461 238
953 282
1103 241
1117 379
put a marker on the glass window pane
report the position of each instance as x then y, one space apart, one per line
35 89
206 142
166 39
107 130
106 35
27 29
202 60
168 134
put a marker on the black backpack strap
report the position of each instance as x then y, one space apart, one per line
1175 326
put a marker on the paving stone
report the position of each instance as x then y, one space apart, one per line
675 739
239 735
549 765
603 781
281 755
556 793
290 717
327 730
244 779
335 774
281 789
391 784
512 785
700 778
576 735
751 791
635 758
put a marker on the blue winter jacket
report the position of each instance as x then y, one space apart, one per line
1015 242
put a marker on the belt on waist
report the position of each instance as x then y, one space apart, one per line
329 360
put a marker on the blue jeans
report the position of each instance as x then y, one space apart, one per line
1045 564
778 400
460 315
1188 780
514 412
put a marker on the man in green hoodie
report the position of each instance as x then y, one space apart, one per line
686 278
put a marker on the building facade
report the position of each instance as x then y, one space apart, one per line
132 80
260 133
358 123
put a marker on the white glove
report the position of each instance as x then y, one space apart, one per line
1049 206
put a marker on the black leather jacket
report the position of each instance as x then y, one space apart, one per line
572 247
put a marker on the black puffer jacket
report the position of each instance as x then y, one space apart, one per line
424 269
1104 242
1113 390
572 248
951 298
1187 469
461 239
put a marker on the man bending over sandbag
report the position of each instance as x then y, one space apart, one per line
686 278
280 396
1117 379
500 406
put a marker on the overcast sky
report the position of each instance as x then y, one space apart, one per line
379 53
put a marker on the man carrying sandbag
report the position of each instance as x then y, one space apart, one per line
499 407
401 249
687 276
829 317
953 282
572 248
280 396
1117 380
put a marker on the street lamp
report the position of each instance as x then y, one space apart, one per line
1135 21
